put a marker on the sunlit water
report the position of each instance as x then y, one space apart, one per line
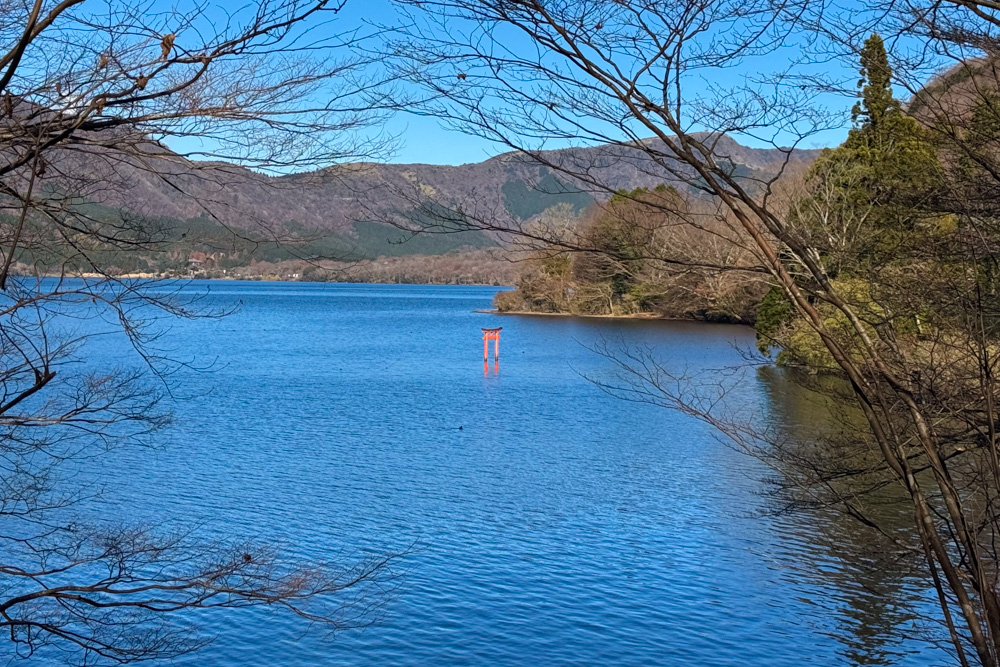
545 521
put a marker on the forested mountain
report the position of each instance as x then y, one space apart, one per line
207 207
335 198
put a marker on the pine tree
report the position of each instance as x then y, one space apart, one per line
869 207
888 166
877 101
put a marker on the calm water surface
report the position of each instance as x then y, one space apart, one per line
558 525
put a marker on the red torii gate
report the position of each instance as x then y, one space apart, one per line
491 335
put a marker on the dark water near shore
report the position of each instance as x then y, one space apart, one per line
558 526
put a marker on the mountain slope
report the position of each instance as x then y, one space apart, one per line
333 199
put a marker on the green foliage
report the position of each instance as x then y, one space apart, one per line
871 203
523 201
890 165
611 275
623 195
557 265
618 245
877 102
662 190
773 312
645 295
177 246
886 174
375 239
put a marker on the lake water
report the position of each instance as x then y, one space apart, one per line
545 521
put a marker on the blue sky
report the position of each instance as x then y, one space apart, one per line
419 139
423 139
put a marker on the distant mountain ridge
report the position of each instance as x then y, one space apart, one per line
337 198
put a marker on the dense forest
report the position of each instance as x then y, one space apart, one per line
876 207
634 256
205 248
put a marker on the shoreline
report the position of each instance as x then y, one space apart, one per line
155 277
643 317
637 316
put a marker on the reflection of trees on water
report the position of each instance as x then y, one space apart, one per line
874 590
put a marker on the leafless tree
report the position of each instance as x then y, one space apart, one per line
912 342
89 94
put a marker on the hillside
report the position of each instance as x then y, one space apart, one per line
338 209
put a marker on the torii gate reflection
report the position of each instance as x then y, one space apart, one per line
491 335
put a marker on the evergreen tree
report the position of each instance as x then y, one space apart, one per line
870 204
877 101
886 172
